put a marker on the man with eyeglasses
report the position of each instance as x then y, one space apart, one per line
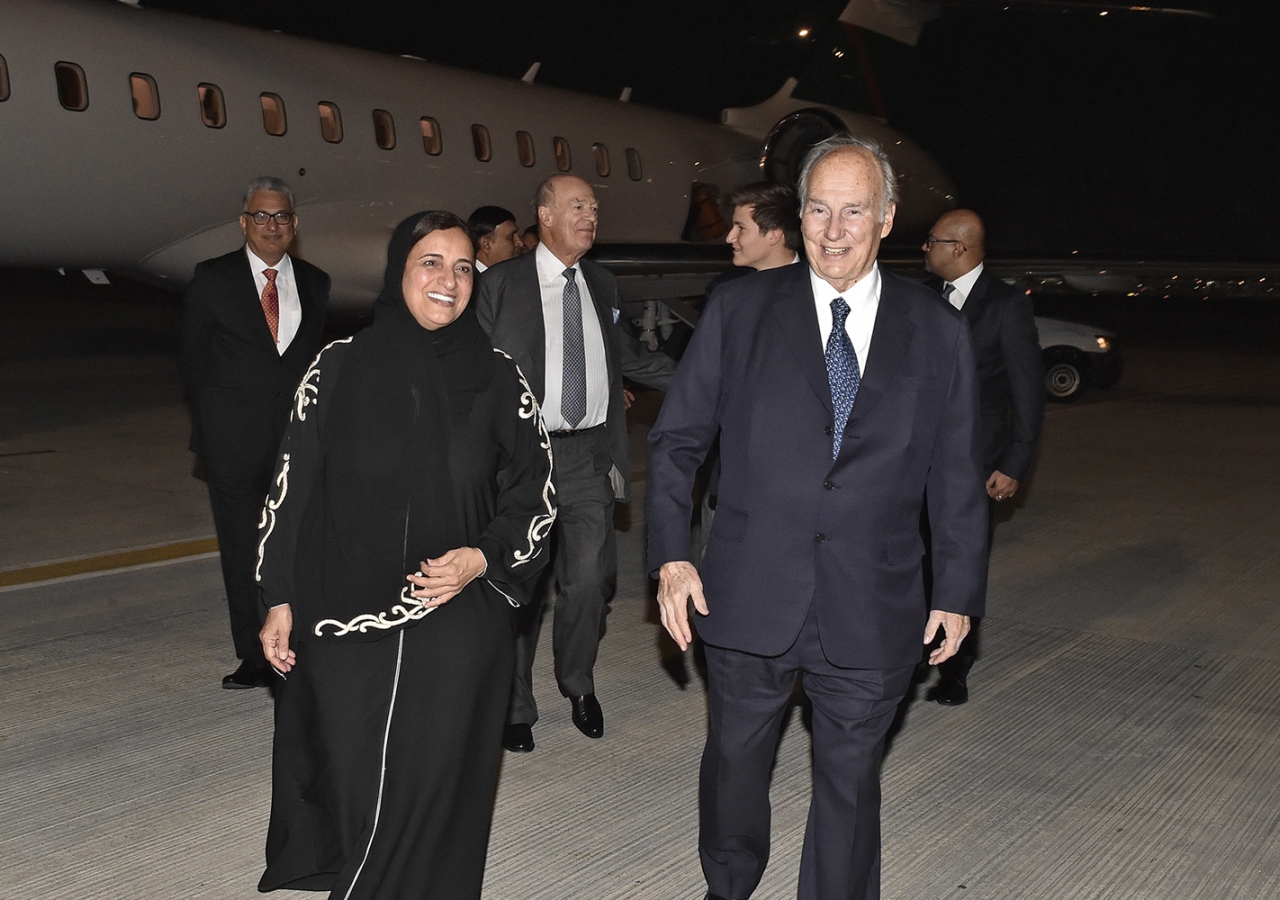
252 321
1006 351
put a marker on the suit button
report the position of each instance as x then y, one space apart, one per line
828 431
829 485
820 537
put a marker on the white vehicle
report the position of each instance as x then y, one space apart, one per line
1075 357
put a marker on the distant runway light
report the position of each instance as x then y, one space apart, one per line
804 32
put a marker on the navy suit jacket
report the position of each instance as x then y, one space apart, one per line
509 306
241 389
792 526
1006 352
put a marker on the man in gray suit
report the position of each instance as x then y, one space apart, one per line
558 315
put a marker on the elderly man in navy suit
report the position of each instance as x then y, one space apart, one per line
846 400
1006 350
252 321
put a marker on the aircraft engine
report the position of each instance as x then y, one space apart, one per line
790 139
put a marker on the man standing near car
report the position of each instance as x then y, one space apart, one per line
1006 351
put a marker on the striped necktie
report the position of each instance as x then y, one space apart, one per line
573 389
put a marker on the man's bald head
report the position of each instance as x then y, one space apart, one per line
957 242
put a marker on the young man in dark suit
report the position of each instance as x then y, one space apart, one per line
252 321
1006 352
557 315
844 395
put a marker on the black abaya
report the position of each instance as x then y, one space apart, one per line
388 727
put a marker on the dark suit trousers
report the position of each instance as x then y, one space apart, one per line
237 491
584 567
852 710
958 666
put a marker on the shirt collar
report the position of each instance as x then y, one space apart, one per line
284 267
866 290
964 284
550 268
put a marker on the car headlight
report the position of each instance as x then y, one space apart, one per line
1103 344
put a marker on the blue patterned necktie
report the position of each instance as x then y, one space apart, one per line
842 372
573 389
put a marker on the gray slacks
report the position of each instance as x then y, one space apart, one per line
584 572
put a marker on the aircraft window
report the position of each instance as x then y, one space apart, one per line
524 144
330 122
564 159
4 80
213 112
481 143
73 90
601 153
634 171
273 119
384 129
146 96
430 135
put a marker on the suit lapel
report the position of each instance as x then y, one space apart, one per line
794 311
600 297
977 299
890 337
528 310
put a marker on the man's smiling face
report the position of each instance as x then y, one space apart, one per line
845 217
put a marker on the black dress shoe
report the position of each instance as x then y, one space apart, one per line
518 738
587 715
253 673
950 691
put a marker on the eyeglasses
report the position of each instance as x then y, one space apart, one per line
931 240
261 217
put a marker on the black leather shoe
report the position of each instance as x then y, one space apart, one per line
253 673
518 738
711 896
587 715
950 691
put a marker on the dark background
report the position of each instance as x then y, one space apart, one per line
1124 136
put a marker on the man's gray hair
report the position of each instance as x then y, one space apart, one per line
267 183
545 195
843 141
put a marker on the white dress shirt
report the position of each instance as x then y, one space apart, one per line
551 282
863 299
287 289
964 286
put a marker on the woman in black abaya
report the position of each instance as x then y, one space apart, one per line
409 514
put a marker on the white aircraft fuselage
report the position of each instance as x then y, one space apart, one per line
147 177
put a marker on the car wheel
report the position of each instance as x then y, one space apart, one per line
1063 380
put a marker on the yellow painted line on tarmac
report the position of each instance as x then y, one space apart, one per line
106 562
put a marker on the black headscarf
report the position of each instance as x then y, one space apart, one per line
387 499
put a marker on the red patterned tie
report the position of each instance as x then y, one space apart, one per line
271 303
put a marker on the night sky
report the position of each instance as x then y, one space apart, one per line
1126 136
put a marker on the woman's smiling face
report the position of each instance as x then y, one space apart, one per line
438 276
